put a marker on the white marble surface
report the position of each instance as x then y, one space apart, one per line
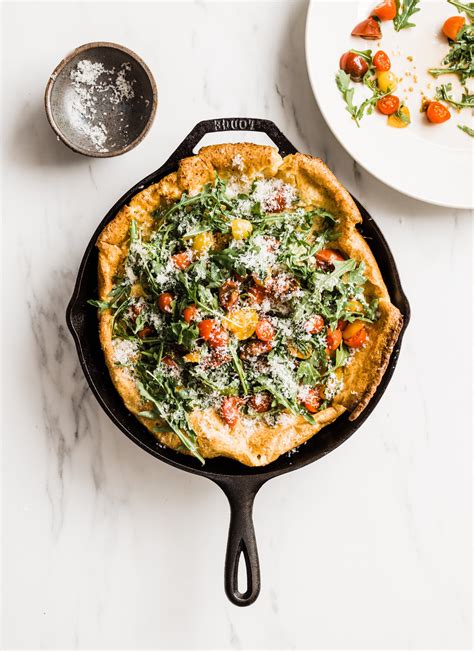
105 547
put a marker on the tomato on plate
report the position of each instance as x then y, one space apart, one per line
354 65
437 113
381 61
386 10
452 26
368 29
388 104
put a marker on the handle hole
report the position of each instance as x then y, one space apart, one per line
242 575
220 137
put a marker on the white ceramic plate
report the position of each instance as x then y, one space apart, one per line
433 163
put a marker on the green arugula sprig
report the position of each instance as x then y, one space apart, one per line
466 129
405 10
443 92
357 112
460 58
466 7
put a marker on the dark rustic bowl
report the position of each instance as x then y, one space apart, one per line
118 120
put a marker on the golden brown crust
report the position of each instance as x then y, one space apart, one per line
317 186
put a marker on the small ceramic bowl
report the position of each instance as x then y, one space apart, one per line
101 100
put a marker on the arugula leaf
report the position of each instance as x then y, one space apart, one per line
443 92
347 92
405 10
467 7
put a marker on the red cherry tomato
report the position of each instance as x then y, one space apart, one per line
229 294
264 330
312 400
388 105
333 339
254 349
357 340
164 301
354 65
386 10
219 338
314 324
452 26
261 402
230 410
368 29
190 313
182 259
381 61
205 328
169 361
437 113
327 257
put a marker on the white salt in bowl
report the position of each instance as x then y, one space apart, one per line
101 100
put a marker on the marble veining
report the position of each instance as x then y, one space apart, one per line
103 546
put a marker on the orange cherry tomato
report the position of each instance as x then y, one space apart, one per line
190 313
386 10
452 26
314 324
182 259
381 61
437 113
229 294
312 400
357 340
261 402
368 29
145 332
218 338
264 330
333 339
230 410
164 301
327 257
354 65
205 328
388 105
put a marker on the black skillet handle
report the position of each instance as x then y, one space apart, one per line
186 148
241 542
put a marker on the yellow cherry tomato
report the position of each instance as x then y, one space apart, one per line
387 81
241 229
202 242
193 357
354 306
352 329
399 122
296 352
241 323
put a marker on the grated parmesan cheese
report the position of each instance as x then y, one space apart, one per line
124 351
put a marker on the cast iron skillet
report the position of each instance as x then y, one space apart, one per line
238 482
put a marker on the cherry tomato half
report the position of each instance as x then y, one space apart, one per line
145 332
229 294
230 410
452 26
219 338
261 402
314 324
327 257
182 259
357 339
190 313
388 105
368 29
205 328
264 330
354 65
312 400
381 61
164 301
437 113
333 339
257 294
386 10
